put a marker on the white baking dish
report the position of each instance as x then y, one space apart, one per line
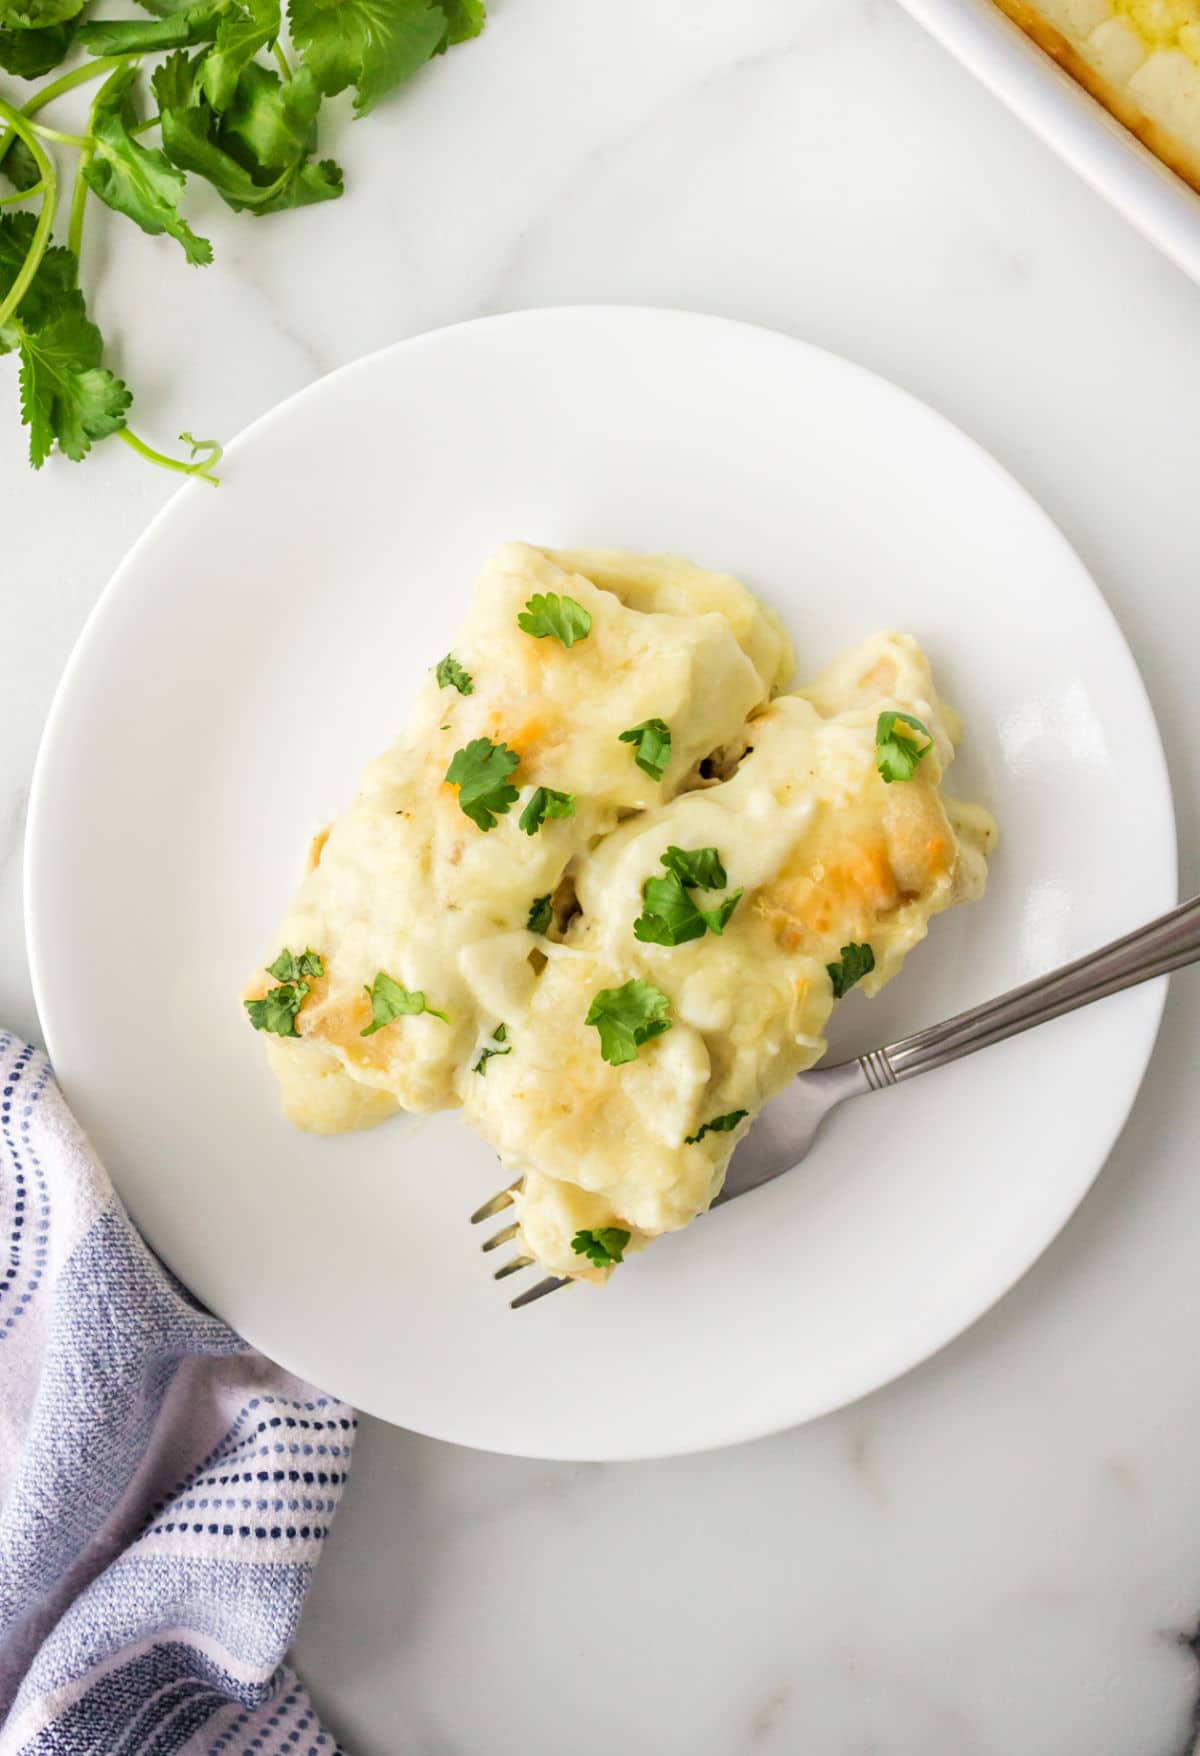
1161 206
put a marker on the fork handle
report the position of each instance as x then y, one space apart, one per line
1167 943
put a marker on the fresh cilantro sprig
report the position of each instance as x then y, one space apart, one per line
628 1016
856 962
719 1125
547 616
480 771
900 743
450 675
604 1246
389 1000
652 746
499 1045
544 803
276 1011
231 107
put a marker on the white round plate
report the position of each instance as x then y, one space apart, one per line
260 643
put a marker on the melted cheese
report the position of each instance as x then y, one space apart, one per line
824 852
405 882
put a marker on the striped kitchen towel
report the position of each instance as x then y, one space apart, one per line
164 1491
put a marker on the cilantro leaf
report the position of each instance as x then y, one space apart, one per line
389 1000
897 750
701 867
480 771
547 616
269 123
66 395
544 802
653 746
240 35
857 961
719 1125
173 81
450 675
540 914
718 918
627 1017
256 152
276 1011
30 53
32 15
499 1035
19 164
165 8
290 966
373 45
465 19
604 1246
52 289
137 181
136 36
670 915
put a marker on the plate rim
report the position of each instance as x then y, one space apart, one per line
1157 782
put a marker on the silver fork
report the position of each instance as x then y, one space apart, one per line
785 1130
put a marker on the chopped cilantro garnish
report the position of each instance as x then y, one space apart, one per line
480 771
857 961
719 1125
389 1000
897 750
540 914
627 1017
276 1011
562 619
544 803
652 746
670 915
499 1035
605 1246
289 966
701 867
450 675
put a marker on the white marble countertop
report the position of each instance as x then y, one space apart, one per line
1001 1553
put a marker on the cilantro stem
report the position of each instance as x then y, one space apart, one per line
79 192
56 134
68 81
45 219
21 195
282 61
79 195
200 467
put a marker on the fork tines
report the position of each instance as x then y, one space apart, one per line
505 1235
